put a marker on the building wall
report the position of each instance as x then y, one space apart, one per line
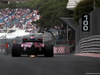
72 4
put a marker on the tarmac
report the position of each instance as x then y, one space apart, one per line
66 64
97 55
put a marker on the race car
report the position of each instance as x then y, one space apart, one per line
33 45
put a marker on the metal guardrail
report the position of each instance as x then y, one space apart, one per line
90 44
3 45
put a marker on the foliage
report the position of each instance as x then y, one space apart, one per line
97 3
83 7
50 10
3 6
12 5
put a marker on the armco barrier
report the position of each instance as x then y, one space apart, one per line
6 45
90 44
2 46
61 49
11 42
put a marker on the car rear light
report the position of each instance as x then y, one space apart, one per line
42 36
25 39
32 37
40 39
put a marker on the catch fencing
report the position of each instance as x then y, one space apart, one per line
2 46
61 44
6 45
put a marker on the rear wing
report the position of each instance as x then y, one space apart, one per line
33 40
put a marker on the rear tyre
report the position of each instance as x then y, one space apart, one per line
48 51
16 50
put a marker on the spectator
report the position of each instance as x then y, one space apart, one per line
17 17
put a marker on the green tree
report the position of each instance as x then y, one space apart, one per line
83 7
12 5
3 6
51 11
97 3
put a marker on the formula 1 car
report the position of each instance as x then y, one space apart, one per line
33 45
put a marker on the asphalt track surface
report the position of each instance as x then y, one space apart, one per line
58 65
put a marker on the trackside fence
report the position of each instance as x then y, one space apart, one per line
61 49
2 46
61 46
6 45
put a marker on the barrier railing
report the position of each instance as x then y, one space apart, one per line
2 46
90 44
6 45
61 49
